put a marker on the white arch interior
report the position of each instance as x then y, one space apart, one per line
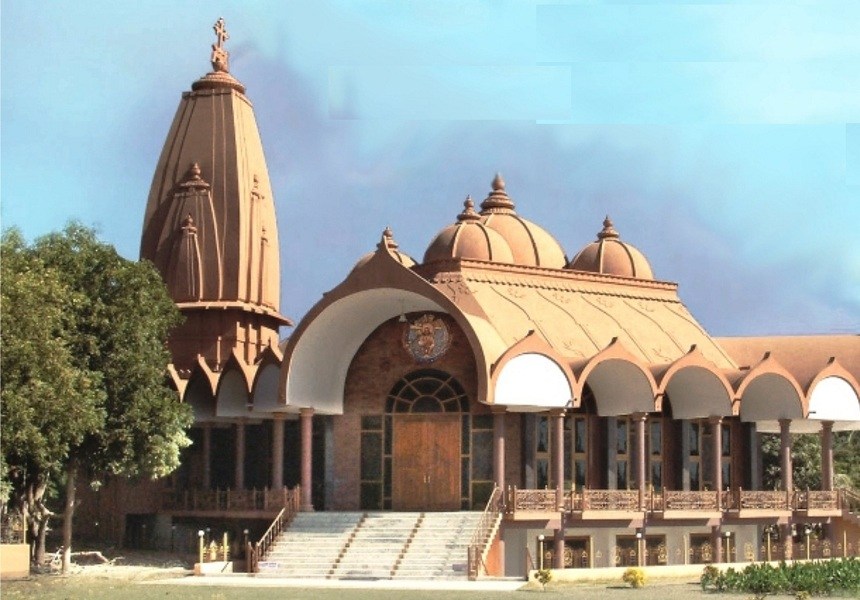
620 388
201 401
531 382
265 396
696 393
232 399
317 370
769 398
833 399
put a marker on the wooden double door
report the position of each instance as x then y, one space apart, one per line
426 462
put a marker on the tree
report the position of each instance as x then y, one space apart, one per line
806 460
115 318
49 404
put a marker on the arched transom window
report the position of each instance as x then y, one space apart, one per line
427 391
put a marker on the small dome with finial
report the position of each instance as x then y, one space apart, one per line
610 256
387 242
530 244
468 239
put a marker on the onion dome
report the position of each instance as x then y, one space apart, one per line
530 244
469 238
610 256
387 241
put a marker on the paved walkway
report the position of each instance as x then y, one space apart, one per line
483 585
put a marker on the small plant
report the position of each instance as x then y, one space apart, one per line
709 577
543 576
635 577
804 595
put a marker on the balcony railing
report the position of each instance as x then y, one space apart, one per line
231 500
670 500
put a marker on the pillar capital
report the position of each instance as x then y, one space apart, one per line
715 419
497 409
638 416
306 412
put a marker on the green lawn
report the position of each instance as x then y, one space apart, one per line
50 588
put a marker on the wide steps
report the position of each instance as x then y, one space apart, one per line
375 545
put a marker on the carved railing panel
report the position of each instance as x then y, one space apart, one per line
679 500
816 500
535 500
761 500
610 500
224 500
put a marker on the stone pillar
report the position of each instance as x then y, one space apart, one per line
207 456
717 543
827 455
787 479
558 547
785 454
557 420
239 475
638 420
717 457
277 451
499 446
306 418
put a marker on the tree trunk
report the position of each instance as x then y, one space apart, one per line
39 550
68 514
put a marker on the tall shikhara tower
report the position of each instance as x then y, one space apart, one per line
210 223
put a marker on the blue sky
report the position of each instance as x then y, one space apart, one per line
722 137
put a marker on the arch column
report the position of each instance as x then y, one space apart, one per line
306 421
717 458
277 451
827 456
786 477
499 447
239 473
557 420
639 434
716 424
207 456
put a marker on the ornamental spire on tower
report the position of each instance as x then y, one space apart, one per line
220 56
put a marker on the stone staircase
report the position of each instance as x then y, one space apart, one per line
311 545
377 545
439 548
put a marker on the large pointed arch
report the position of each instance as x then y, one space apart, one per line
698 388
264 390
200 392
834 395
622 384
232 395
531 376
770 393
318 354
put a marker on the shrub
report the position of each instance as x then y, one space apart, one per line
635 577
816 578
543 576
709 577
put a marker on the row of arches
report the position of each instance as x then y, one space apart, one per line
532 377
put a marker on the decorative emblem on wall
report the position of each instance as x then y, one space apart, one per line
426 338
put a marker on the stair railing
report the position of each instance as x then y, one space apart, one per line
481 538
256 551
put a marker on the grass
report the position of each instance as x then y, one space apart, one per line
75 587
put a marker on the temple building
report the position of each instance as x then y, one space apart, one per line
576 404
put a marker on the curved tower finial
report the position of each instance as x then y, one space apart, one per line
220 57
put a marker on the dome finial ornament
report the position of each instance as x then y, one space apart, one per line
498 182
220 56
468 213
498 200
608 230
